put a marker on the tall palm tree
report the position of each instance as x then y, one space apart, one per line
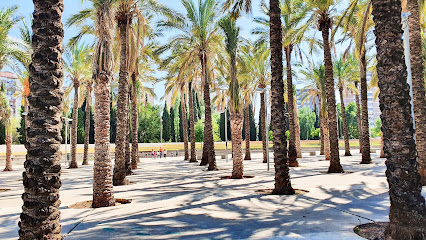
199 29
5 116
103 62
343 72
44 130
78 68
417 77
407 210
322 13
235 103
358 25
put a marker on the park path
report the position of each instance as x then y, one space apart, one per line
174 199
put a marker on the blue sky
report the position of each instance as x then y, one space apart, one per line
25 8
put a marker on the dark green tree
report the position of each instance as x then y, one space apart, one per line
113 122
222 126
259 134
172 125
166 124
149 120
180 123
252 125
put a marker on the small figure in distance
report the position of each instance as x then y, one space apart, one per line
165 153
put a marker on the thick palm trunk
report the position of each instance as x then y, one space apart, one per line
103 194
345 125
282 175
40 217
326 139
297 129
87 124
134 109
236 120
407 213
128 151
358 117
122 105
8 142
292 152
417 76
184 124
191 123
263 124
366 159
208 148
335 166
73 163
247 132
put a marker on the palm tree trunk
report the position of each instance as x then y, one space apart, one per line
345 125
282 175
417 76
297 128
191 123
184 124
8 142
73 163
127 161
122 105
366 159
292 152
407 209
237 151
263 124
134 109
87 123
40 217
208 148
335 166
326 139
247 132
358 117
103 194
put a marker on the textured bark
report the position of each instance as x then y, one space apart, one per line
326 139
103 194
345 125
184 124
127 155
8 142
236 121
40 217
247 132
191 123
122 104
358 117
417 77
292 152
297 128
282 175
73 163
87 123
366 159
263 124
335 167
134 109
407 213
208 147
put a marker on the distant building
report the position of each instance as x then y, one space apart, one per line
373 105
10 79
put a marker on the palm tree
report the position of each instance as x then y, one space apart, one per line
199 31
44 139
77 67
417 76
343 72
5 116
235 101
407 211
322 13
103 62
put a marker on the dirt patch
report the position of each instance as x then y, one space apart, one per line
88 204
373 231
229 177
269 191
4 189
346 172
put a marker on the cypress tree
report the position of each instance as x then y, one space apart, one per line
180 123
252 124
222 126
229 125
166 124
172 125
198 113
259 134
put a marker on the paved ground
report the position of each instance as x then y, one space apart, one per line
173 199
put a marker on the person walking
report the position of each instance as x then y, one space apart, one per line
153 153
165 153
161 152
